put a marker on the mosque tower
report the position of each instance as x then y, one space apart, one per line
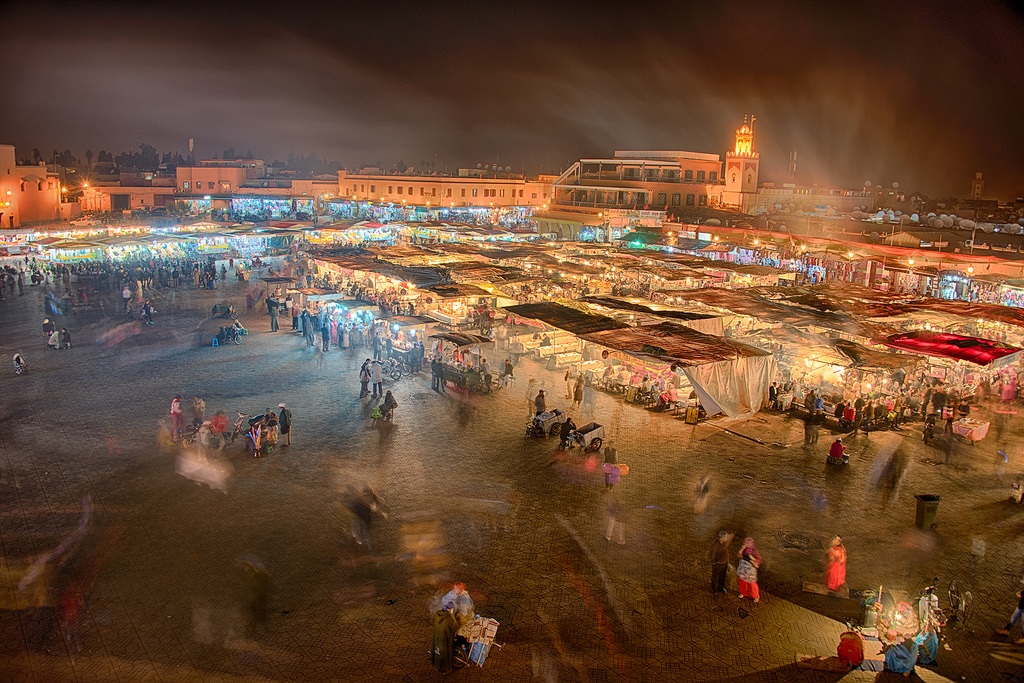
741 167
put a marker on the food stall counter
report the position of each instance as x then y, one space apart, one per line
973 430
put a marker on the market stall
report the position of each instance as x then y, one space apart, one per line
453 304
406 331
461 355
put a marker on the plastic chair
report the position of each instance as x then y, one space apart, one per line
214 342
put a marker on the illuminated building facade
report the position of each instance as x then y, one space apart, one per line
467 188
28 194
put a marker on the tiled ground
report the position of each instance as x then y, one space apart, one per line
468 498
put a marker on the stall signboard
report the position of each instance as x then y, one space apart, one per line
937 372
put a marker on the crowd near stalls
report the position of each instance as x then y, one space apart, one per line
702 322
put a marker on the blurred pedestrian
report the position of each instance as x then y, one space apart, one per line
177 418
256 584
746 570
700 497
65 338
198 411
530 407
1014 618
613 517
719 556
611 457
577 392
835 565
219 427
363 504
284 421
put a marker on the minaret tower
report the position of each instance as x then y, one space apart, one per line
741 167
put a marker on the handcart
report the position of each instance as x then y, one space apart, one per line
474 640
589 437
546 424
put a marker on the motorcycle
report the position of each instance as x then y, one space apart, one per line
229 333
929 427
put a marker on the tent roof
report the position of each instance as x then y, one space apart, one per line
747 302
669 342
644 306
566 318
979 351
461 338
458 289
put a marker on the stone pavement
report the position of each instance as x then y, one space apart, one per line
467 498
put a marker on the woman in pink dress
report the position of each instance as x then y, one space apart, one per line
835 565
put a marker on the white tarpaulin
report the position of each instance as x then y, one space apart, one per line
737 387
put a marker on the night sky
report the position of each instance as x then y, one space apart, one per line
923 93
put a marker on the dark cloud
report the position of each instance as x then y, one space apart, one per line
923 93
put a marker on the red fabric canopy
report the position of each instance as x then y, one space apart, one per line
980 351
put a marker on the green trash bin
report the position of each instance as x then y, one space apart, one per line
927 511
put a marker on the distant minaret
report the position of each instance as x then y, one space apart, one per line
792 164
741 168
977 186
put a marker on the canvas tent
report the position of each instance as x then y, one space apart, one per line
729 377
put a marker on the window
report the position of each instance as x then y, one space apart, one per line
733 178
520 194
533 195
422 192
449 192
433 192
503 193
474 191
661 199
689 200
688 174
184 185
703 200
713 176
410 190
391 189
373 189
700 175
225 187
399 189
464 192
675 199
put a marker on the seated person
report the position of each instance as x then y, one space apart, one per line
667 398
546 341
507 371
567 428
457 600
849 414
901 656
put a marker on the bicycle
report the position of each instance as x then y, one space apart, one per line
961 603
930 616
394 369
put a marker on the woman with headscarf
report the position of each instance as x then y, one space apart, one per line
835 565
746 570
